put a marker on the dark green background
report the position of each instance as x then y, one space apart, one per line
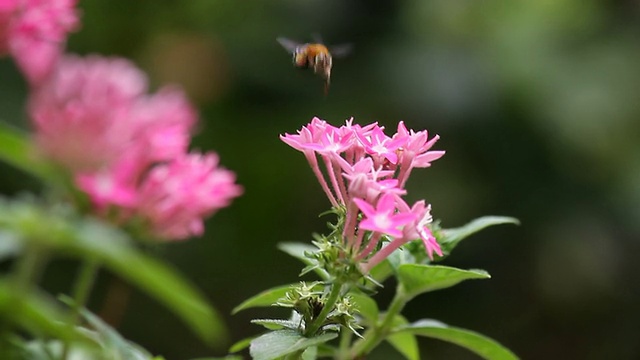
537 105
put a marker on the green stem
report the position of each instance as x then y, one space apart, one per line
312 328
25 273
81 290
28 269
345 341
380 332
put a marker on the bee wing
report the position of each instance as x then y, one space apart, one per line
288 44
340 51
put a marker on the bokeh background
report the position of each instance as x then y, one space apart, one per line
538 107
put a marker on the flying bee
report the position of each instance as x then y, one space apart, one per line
316 56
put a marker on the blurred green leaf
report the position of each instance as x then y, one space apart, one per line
40 349
366 306
156 278
450 238
311 353
381 272
36 313
241 345
114 345
10 246
405 342
479 344
62 231
298 250
264 298
416 279
278 343
17 150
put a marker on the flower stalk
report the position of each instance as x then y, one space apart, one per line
334 294
379 332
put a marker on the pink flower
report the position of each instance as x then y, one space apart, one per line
367 171
415 151
83 114
34 32
174 197
92 110
127 149
383 217
114 186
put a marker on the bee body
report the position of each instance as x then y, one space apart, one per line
314 56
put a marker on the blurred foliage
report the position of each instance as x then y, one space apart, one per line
535 102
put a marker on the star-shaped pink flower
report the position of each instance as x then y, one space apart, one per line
383 218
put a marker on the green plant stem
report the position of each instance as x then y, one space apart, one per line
28 268
345 341
312 328
26 271
81 290
380 332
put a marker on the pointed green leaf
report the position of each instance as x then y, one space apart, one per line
449 238
297 250
405 342
17 150
264 298
279 343
416 279
485 347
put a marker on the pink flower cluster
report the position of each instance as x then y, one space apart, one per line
367 171
34 32
128 149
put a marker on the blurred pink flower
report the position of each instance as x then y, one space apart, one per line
83 114
34 32
174 197
94 109
127 149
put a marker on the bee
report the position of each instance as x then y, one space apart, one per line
316 56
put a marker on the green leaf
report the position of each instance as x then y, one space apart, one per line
113 343
277 324
485 347
405 342
263 299
157 279
449 238
366 307
278 343
17 150
416 279
36 313
298 250
10 246
241 345
60 231
382 271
